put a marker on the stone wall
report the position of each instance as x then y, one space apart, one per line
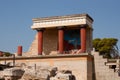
89 40
103 72
79 64
50 41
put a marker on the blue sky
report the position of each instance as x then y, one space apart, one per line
16 18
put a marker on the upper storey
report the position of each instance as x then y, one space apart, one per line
58 21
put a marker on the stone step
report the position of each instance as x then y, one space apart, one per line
103 72
103 67
98 56
100 65
100 61
95 53
108 76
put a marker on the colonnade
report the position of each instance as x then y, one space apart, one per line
61 39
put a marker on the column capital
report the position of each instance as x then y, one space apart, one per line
83 26
61 27
41 29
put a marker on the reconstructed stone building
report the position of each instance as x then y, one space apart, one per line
62 34
64 42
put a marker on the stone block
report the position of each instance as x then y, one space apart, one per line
13 72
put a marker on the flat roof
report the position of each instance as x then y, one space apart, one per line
60 17
57 21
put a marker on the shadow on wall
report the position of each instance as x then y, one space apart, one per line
73 77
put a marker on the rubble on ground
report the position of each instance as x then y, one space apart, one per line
37 73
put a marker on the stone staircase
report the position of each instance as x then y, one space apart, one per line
103 72
33 48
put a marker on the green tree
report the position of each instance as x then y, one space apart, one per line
106 46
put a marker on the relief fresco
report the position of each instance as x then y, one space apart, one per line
72 39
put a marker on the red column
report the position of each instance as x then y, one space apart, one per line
61 40
83 39
1 53
19 51
40 42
